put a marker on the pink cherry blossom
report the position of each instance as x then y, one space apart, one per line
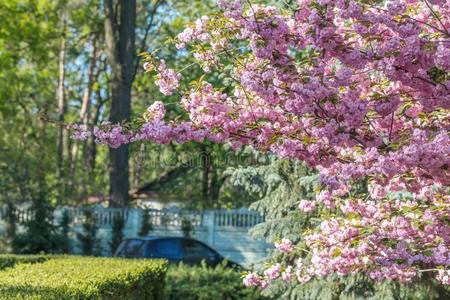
168 80
285 245
287 274
444 276
251 279
368 101
155 112
273 272
307 206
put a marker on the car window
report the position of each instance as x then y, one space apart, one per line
141 251
170 248
196 249
121 249
132 247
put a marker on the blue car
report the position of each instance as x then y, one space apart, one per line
173 249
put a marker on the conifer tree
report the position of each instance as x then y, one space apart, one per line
280 185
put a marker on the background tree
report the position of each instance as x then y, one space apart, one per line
30 118
120 23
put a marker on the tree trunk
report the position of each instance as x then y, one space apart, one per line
85 116
214 188
61 108
205 156
119 38
91 145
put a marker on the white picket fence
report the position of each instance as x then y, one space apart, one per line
224 230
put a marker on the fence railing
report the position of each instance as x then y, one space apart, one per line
239 218
174 218
102 216
19 215
243 218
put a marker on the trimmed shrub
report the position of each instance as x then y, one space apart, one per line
84 278
10 260
205 283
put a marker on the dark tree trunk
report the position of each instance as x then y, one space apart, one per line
205 157
119 35
216 184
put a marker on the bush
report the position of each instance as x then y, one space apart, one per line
187 227
146 224
10 260
40 234
10 228
64 225
88 240
118 223
84 278
204 283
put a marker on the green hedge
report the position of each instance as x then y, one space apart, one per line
84 278
204 283
10 260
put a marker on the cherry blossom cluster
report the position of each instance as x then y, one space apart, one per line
359 90
285 245
197 31
155 112
307 206
444 276
168 80
79 132
370 234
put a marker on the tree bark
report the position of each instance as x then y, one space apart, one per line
205 157
91 145
61 108
120 38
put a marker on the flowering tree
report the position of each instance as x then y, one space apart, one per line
359 90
